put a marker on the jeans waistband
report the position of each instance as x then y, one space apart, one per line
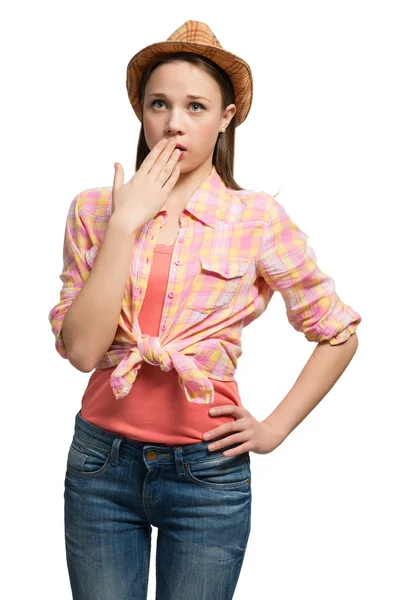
108 440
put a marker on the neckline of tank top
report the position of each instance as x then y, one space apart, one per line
166 248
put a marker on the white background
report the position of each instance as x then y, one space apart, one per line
324 132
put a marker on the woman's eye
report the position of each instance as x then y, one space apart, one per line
192 104
197 104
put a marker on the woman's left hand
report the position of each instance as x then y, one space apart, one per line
258 436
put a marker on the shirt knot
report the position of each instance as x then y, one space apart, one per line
197 387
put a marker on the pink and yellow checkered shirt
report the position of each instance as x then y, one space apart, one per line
234 249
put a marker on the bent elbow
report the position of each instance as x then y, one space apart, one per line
80 364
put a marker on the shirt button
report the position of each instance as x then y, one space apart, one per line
163 328
227 270
171 294
178 261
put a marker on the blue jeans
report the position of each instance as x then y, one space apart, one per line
117 488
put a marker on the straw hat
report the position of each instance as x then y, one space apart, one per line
197 37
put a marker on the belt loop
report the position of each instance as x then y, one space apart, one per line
115 450
179 460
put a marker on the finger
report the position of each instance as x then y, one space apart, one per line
117 183
242 449
166 171
220 433
240 436
118 176
163 161
169 184
153 155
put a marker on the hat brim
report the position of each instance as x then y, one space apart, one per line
236 68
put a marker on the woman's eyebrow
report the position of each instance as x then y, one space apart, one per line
193 97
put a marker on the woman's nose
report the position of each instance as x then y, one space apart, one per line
174 124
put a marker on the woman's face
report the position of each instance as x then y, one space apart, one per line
169 111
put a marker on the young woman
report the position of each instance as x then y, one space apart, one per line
160 276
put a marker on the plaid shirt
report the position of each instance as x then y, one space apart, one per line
233 251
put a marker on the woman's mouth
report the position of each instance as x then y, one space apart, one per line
183 150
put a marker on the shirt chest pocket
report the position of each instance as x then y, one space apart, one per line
217 282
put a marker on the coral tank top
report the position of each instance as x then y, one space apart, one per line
156 409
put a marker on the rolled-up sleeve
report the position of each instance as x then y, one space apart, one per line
289 266
75 271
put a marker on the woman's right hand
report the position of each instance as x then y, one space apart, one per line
141 198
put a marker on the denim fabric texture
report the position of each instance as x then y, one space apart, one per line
117 489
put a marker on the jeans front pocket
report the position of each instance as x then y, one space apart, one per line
86 460
221 472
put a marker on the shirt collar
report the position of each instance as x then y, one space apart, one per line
209 200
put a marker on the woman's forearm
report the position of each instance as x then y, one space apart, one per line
92 319
324 367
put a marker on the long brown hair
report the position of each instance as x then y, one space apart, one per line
224 150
